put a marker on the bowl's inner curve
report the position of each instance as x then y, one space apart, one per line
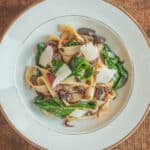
26 58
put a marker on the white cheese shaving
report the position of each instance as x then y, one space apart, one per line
105 75
61 74
89 51
46 56
78 113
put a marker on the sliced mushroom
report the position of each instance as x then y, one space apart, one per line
86 31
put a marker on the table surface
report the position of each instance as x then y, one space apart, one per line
139 9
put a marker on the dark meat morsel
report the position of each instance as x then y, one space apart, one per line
98 39
94 62
34 79
101 92
64 87
86 31
79 89
45 97
77 79
89 113
52 43
39 94
66 123
56 56
48 97
64 95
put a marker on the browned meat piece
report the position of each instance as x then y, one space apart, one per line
98 39
34 79
56 56
94 62
48 97
53 43
65 87
64 95
89 113
90 32
39 94
67 121
79 89
101 92
70 94
64 92
77 79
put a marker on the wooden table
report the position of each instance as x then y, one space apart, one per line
9 10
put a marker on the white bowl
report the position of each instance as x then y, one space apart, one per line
26 58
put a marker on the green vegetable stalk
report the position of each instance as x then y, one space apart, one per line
59 109
81 68
113 62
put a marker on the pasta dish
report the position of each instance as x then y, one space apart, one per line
75 75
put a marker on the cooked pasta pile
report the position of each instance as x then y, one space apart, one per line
75 75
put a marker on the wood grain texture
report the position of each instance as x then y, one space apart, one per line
139 9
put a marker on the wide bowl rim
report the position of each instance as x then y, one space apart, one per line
122 107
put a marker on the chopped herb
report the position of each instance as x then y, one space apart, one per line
88 73
38 73
56 65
